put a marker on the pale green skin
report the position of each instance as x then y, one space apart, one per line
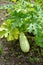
24 44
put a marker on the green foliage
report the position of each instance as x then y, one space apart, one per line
32 59
40 2
23 17
1 49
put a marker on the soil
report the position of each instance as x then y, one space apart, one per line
12 54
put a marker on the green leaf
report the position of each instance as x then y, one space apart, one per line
39 38
13 34
2 33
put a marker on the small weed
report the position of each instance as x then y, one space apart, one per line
31 59
1 50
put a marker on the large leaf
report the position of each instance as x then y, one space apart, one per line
13 34
2 33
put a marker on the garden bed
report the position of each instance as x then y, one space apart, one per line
12 54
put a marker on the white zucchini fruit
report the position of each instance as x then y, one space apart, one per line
24 44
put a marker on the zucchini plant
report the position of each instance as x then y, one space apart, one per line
24 16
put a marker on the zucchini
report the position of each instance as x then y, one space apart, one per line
24 44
